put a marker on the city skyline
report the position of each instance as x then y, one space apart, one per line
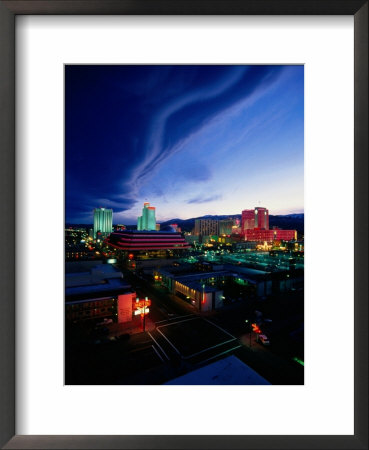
221 217
192 140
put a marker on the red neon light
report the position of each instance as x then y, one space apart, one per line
143 313
255 328
141 303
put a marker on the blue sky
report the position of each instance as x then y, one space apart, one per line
191 140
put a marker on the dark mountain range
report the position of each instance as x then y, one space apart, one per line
288 222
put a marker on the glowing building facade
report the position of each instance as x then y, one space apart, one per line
254 218
262 235
103 221
225 226
262 218
255 227
206 227
147 221
135 241
247 220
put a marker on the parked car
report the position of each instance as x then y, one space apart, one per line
262 339
105 322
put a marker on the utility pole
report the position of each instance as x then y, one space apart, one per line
249 329
144 318
203 296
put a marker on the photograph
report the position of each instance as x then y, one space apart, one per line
183 153
184 224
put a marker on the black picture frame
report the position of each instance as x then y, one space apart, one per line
8 12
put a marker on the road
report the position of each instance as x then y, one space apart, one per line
274 362
164 305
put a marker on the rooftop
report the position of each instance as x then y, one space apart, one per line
100 279
80 266
113 287
227 371
252 276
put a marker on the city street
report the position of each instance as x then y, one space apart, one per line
178 339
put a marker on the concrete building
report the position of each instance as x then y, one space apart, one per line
193 289
206 227
103 221
206 290
225 226
97 292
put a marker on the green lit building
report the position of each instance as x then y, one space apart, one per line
147 221
103 221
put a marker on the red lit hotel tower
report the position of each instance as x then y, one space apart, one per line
262 218
247 220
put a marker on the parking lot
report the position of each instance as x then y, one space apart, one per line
194 336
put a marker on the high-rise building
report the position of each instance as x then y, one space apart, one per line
103 221
247 220
254 218
147 221
225 226
262 218
206 227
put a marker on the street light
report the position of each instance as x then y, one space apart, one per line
203 296
249 329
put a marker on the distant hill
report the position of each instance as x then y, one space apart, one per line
286 222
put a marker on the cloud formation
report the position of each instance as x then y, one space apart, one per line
125 125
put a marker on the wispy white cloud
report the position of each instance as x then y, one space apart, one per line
155 154
210 199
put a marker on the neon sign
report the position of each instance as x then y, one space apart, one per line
141 306
255 328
